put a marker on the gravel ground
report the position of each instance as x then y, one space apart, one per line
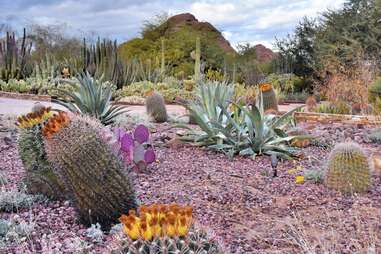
248 210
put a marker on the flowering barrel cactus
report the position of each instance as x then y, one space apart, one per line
163 229
270 101
39 175
94 176
348 169
132 147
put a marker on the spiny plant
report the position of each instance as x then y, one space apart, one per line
94 176
232 128
375 136
270 101
348 169
155 106
92 97
164 229
39 174
134 149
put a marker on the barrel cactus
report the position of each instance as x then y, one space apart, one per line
155 106
348 169
270 101
164 229
95 177
39 175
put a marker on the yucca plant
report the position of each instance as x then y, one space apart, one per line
91 97
234 128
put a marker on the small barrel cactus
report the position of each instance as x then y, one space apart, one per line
270 101
155 106
39 175
96 178
348 169
163 229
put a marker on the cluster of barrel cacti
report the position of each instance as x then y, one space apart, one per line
70 156
164 229
270 102
348 169
155 107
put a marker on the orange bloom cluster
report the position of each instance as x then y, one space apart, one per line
158 220
265 87
31 119
55 123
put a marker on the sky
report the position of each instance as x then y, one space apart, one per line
240 21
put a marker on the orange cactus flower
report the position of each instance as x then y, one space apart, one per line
55 124
265 87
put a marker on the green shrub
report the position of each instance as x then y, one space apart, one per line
348 169
287 83
375 90
339 107
94 176
375 136
13 201
155 107
14 232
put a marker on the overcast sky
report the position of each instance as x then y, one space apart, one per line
253 21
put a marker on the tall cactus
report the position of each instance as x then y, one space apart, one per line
162 68
39 174
95 177
348 169
14 59
197 63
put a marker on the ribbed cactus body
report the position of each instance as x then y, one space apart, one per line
155 106
94 176
39 175
197 241
270 101
348 169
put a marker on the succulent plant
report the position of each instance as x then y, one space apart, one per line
164 229
96 179
269 98
375 136
348 169
39 175
155 106
135 148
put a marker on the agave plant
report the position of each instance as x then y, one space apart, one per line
234 128
91 97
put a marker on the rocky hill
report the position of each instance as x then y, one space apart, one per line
264 54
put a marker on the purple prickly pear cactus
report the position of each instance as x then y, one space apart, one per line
135 148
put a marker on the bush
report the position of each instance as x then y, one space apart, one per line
287 83
339 107
13 232
13 201
375 136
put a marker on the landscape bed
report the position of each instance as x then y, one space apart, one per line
238 200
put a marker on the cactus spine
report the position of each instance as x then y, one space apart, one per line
348 169
197 63
155 106
95 177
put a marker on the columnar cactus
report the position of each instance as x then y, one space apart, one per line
164 229
96 178
348 169
39 175
155 106
270 101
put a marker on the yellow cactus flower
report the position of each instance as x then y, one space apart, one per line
31 119
299 179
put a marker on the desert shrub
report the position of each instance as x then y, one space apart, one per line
214 75
91 172
375 90
375 136
95 233
13 201
313 175
287 83
339 107
14 232
348 169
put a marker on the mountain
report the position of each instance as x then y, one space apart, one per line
264 54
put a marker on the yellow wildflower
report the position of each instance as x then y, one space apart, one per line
299 179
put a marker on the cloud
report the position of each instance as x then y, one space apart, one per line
253 21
